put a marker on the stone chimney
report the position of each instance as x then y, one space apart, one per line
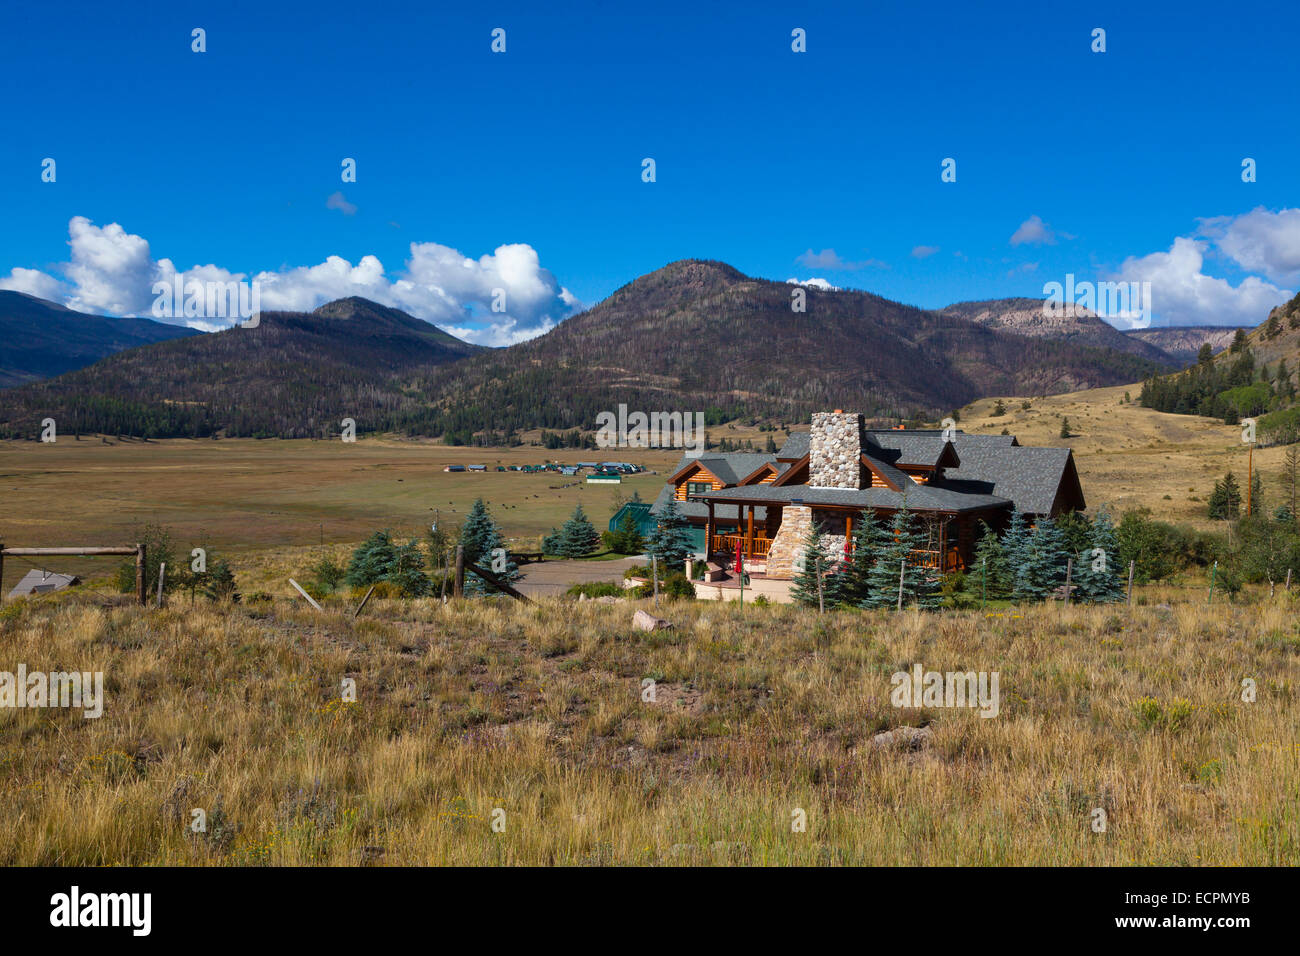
835 449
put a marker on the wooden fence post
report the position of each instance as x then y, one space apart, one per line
1069 573
458 588
1288 572
162 574
1131 566
140 558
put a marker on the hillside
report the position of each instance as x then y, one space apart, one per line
1254 378
701 335
1076 325
39 339
1183 342
295 375
693 335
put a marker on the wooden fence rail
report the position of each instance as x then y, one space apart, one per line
138 550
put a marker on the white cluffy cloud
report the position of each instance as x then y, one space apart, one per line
1258 241
113 271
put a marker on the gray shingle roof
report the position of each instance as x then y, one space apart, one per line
698 509
916 498
921 448
993 464
795 447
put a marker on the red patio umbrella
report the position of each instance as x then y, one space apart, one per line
739 569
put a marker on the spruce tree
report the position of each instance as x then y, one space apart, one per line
1099 569
670 543
578 537
894 558
868 538
1045 569
372 561
1019 559
408 571
479 537
991 565
627 538
812 563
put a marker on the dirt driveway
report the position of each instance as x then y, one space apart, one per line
553 578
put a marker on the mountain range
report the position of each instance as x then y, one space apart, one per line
39 339
694 335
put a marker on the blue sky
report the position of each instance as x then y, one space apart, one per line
823 164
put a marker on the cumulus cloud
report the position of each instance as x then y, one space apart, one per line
496 299
1182 294
816 283
1033 231
1259 241
33 282
338 201
923 252
831 261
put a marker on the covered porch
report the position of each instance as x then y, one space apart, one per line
749 535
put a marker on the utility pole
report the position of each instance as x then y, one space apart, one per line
1250 478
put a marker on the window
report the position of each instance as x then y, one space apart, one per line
698 487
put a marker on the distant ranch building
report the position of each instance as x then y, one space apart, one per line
42 582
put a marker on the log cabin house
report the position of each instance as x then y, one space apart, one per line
763 504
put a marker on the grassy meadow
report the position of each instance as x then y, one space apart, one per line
537 711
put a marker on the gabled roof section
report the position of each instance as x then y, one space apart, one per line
760 472
689 467
797 473
893 478
730 469
913 449
1037 480
795 447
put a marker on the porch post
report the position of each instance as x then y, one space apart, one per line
749 535
708 534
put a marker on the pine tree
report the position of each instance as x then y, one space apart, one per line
991 565
895 557
812 563
480 537
1046 567
1016 552
578 537
219 582
408 571
1099 568
627 538
372 561
868 538
670 543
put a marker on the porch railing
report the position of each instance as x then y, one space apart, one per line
728 543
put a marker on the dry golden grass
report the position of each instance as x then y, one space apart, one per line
537 710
